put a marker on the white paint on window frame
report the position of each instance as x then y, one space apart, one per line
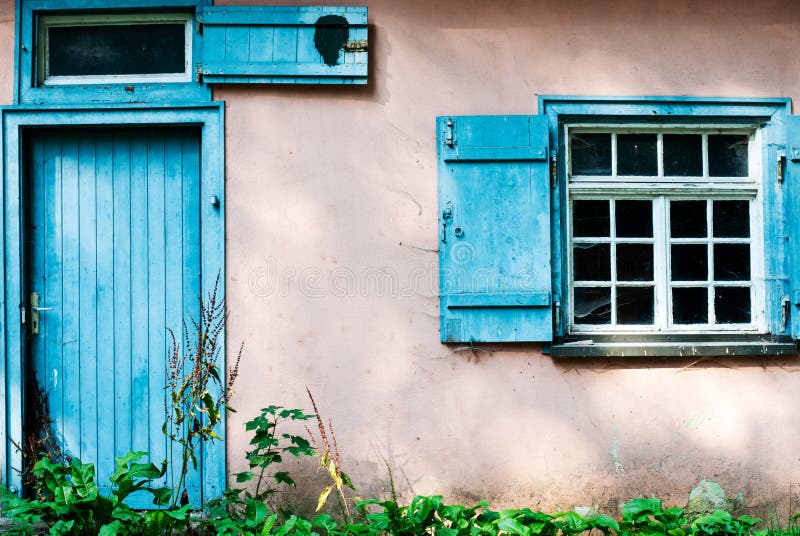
660 190
46 22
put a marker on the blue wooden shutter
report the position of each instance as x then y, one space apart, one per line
284 45
792 186
494 229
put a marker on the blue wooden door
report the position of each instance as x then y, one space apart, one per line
113 250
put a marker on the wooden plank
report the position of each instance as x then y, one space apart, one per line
35 225
286 67
257 15
71 293
53 288
87 295
190 244
105 314
122 225
140 318
261 42
156 269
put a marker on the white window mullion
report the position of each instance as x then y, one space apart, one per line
613 231
660 264
712 317
660 153
613 154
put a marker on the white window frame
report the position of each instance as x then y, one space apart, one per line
660 189
51 21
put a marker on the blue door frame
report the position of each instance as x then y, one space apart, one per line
15 120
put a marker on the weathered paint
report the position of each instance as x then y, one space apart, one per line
331 193
494 229
283 45
145 210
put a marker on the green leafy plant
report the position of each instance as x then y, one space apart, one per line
242 510
197 393
72 504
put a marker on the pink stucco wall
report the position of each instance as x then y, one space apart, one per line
324 184
6 51
322 181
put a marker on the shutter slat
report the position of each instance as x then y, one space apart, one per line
792 188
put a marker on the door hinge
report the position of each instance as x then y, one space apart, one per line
22 313
557 313
449 132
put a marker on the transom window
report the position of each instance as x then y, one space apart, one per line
663 226
114 48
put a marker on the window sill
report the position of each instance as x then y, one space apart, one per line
685 347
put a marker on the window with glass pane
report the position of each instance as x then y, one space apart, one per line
114 48
660 230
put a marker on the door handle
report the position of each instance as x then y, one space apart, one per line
35 309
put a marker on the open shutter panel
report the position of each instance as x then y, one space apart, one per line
284 45
494 229
792 185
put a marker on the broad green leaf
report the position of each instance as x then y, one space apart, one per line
244 476
255 513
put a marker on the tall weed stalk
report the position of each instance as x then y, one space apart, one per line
198 393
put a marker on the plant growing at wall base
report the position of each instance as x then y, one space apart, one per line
330 462
197 392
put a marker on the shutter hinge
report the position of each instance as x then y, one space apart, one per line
22 311
199 24
198 71
785 308
553 168
449 133
781 165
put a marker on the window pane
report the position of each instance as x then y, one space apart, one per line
634 219
116 49
732 305
689 305
634 262
590 219
635 305
727 155
732 219
592 262
687 219
591 154
592 305
731 262
637 154
683 155
689 262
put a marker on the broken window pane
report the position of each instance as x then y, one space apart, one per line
683 155
592 262
635 305
689 262
592 305
732 305
591 154
634 262
590 219
731 262
732 219
687 219
634 219
637 154
727 155
690 305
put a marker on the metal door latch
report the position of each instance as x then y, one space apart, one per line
35 309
